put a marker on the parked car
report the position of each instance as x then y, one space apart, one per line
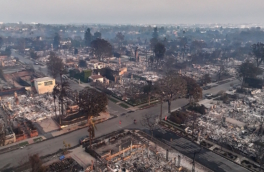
208 95
83 139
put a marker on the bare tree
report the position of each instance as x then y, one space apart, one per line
150 122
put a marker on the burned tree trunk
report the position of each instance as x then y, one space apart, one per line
169 106
161 103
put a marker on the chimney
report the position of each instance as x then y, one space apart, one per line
148 152
98 73
17 101
179 160
9 105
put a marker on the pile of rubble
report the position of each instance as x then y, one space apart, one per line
33 108
237 124
126 152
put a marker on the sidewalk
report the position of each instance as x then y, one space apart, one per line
33 140
21 144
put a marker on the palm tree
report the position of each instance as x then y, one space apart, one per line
63 92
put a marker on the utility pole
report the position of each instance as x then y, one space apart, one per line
194 154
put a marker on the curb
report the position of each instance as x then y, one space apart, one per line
52 137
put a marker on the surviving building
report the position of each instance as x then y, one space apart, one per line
44 85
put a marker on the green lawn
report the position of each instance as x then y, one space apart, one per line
124 105
113 100
23 143
37 139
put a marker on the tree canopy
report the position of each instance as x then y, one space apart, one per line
97 35
33 55
120 37
194 91
172 86
54 65
76 51
159 51
248 70
82 63
87 37
206 79
258 52
92 102
101 48
56 41
155 33
1 42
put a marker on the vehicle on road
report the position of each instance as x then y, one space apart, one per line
83 139
131 111
208 95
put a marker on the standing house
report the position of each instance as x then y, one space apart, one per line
95 78
44 85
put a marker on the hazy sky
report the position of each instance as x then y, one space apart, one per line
133 11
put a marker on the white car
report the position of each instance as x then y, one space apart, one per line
208 95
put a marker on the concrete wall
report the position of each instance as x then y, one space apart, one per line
20 137
33 133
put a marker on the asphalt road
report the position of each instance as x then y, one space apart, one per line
25 60
204 157
207 158
20 156
185 146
